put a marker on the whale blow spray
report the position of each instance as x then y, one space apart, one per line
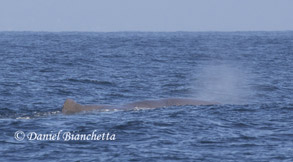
222 83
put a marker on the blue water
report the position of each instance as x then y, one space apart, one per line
249 73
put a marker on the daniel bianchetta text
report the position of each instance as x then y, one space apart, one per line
65 136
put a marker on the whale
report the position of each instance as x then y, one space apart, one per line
72 107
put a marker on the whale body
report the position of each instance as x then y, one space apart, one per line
71 107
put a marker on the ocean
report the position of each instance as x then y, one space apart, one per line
249 73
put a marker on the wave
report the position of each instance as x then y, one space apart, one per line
105 83
35 114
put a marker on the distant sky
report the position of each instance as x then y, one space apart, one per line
146 15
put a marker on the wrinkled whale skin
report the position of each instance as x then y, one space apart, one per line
71 107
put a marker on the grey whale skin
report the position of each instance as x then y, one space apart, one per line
71 107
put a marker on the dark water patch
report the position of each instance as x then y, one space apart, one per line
266 88
241 125
130 125
45 70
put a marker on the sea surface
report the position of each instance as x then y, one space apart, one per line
249 73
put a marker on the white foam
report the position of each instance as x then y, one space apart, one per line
24 117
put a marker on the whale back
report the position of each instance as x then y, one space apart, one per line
71 107
167 102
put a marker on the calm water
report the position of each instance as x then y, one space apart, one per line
249 73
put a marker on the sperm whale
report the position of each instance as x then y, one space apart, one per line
71 107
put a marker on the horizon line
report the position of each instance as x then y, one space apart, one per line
143 31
